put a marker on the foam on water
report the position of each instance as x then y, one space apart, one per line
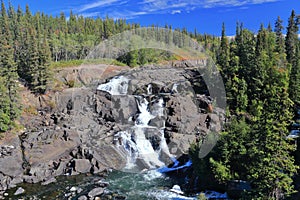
116 86
145 116
134 140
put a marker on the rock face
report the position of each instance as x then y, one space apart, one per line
78 135
11 169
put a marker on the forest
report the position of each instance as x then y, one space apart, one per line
261 73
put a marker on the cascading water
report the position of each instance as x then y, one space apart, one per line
143 150
143 143
116 86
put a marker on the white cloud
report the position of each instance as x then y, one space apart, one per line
232 3
130 8
97 4
175 12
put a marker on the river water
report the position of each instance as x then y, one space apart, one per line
132 186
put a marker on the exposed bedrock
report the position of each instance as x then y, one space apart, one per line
79 135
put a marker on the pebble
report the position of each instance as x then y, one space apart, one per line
73 189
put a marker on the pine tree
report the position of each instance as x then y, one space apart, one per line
231 160
291 38
294 84
280 45
5 121
223 53
272 166
8 67
42 73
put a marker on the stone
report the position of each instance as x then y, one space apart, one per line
73 189
82 198
82 165
96 192
19 191
79 190
11 159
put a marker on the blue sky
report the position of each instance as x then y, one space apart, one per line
204 15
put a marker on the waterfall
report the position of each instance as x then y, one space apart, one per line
145 116
143 148
116 86
143 143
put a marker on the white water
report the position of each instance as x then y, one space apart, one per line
149 89
174 88
145 116
134 140
116 86
139 147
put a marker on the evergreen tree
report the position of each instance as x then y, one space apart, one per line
294 84
231 160
8 67
42 73
280 45
291 38
272 166
223 53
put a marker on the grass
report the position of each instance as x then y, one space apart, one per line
31 110
74 63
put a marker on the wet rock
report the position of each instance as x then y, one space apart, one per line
73 189
19 191
82 198
96 192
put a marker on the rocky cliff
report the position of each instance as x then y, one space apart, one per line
79 134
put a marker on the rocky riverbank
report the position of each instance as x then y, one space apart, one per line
77 135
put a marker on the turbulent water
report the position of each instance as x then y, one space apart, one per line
143 143
149 185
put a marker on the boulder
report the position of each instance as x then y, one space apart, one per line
82 198
96 192
82 165
11 170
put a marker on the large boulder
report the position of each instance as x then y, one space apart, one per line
11 170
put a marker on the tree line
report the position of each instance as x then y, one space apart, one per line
261 73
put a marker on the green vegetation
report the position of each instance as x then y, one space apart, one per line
261 74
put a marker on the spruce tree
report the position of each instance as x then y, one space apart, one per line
291 38
8 67
280 45
294 84
223 53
